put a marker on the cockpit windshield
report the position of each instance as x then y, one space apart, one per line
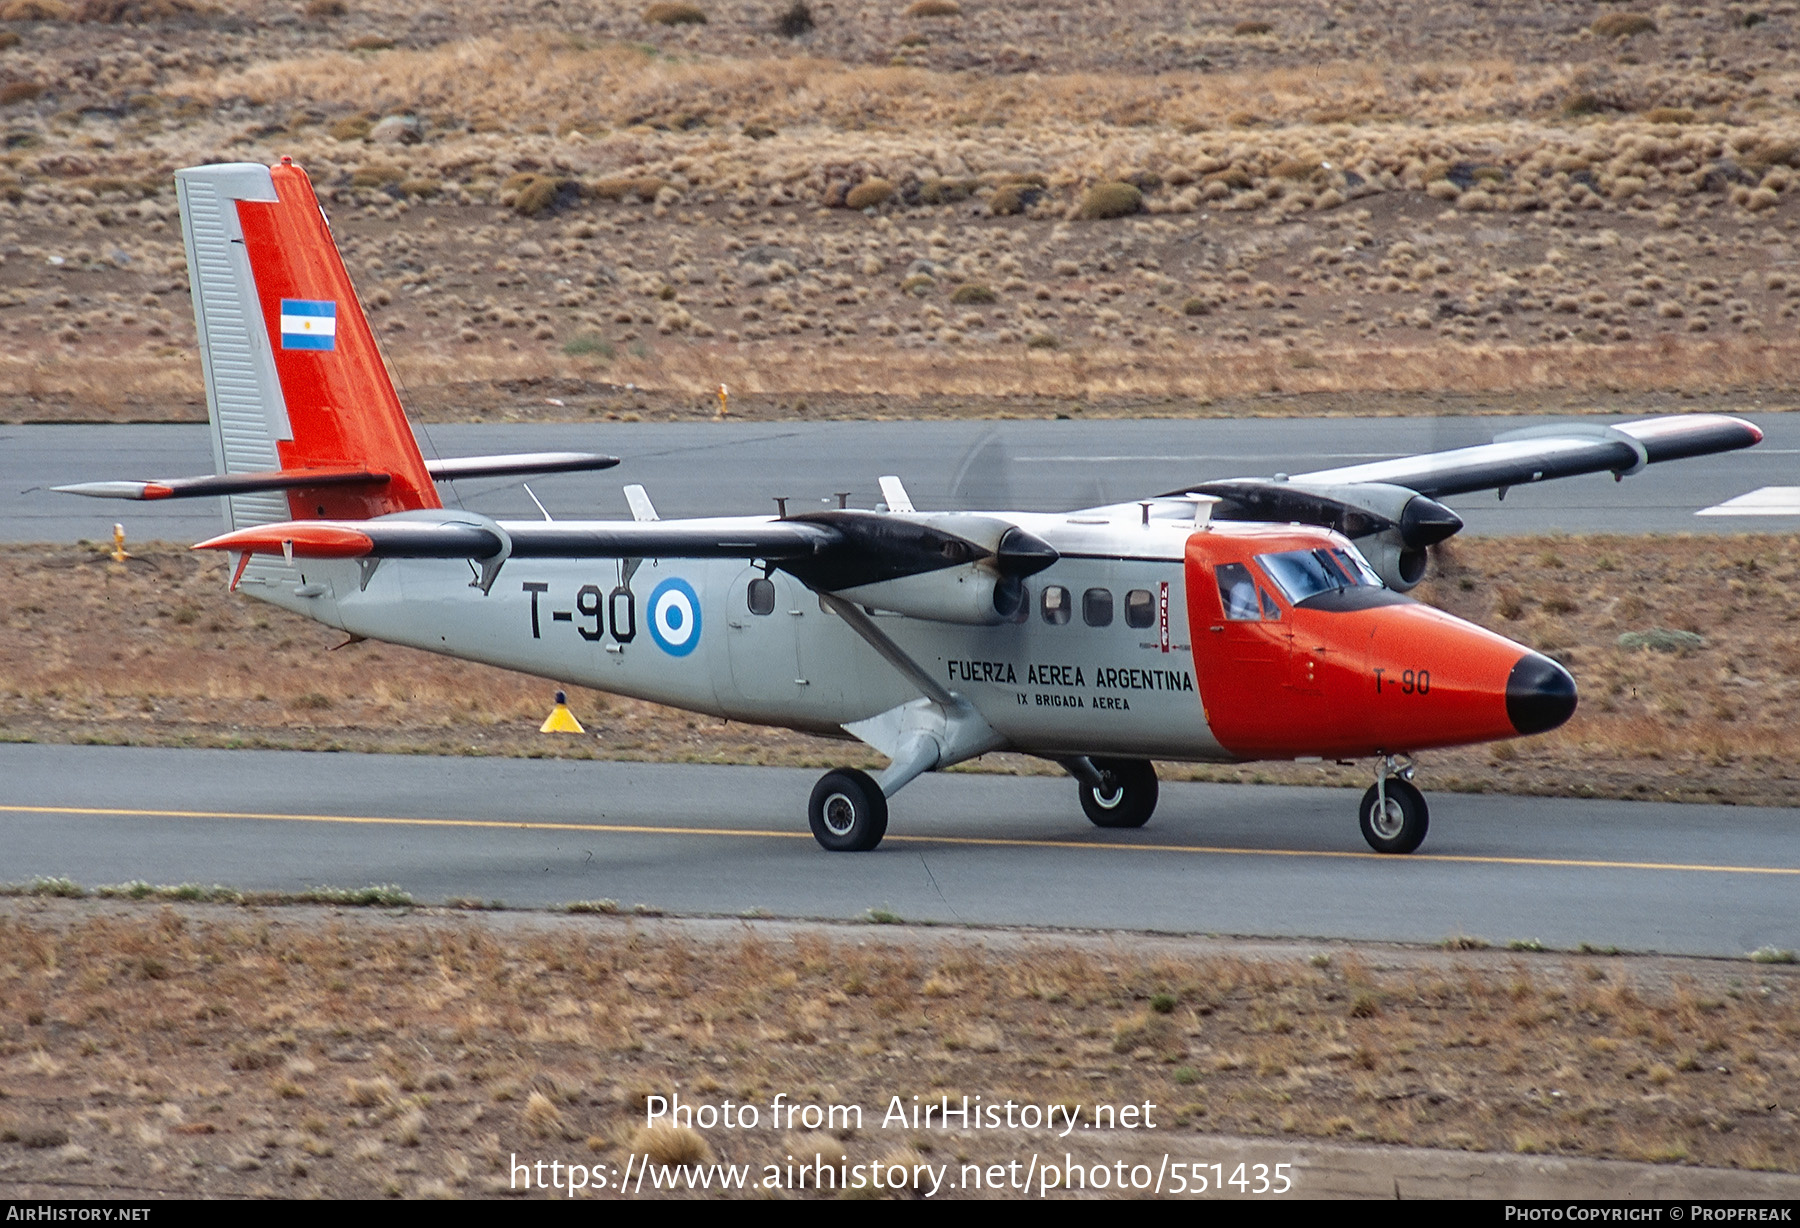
1307 573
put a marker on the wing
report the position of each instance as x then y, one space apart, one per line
462 536
828 550
1537 454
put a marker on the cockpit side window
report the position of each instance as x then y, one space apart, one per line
1237 593
1271 611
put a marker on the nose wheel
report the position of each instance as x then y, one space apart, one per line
1393 814
1117 792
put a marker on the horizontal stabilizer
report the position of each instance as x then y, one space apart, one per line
225 484
516 465
295 479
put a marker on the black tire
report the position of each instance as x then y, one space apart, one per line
1403 827
848 811
1129 798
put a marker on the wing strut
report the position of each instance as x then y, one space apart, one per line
937 730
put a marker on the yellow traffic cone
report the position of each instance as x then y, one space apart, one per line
561 720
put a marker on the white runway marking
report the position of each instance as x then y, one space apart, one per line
1768 501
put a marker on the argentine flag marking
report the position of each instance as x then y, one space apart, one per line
308 324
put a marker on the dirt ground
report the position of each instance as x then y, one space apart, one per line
155 652
198 1050
1066 207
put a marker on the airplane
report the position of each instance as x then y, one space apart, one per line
1229 621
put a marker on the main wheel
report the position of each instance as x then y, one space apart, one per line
848 811
1127 797
1400 827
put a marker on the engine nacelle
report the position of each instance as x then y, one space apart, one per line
973 594
1399 565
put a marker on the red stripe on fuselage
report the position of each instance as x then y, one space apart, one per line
341 404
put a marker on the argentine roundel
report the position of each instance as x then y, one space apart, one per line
675 617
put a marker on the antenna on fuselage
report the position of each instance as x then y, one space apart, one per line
639 499
893 493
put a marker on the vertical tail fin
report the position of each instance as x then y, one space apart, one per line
293 378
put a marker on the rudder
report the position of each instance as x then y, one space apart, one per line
293 377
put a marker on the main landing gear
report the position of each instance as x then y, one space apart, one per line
1393 814
848 811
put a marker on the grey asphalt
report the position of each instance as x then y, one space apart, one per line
734 468
970 849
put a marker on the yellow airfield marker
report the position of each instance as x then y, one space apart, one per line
561 720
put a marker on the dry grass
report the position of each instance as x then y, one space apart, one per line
1444 198
1707 721
404 1055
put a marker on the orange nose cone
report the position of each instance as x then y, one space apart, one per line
1540 694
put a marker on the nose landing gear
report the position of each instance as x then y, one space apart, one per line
1115 792
1393 814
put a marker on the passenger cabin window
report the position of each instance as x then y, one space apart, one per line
1055 604
1140 608
1237 593
1301 574
1096 607
761 596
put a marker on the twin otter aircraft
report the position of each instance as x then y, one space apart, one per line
1236 620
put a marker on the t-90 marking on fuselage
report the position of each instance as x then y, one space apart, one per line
614 612
1408 681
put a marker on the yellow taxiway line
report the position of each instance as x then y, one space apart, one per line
987 841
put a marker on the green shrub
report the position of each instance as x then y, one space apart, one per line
973 292
934 8
1042 341
1195 307
1106 200
1661 639
1669 115
869 192
584 344
675 14
1251 27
